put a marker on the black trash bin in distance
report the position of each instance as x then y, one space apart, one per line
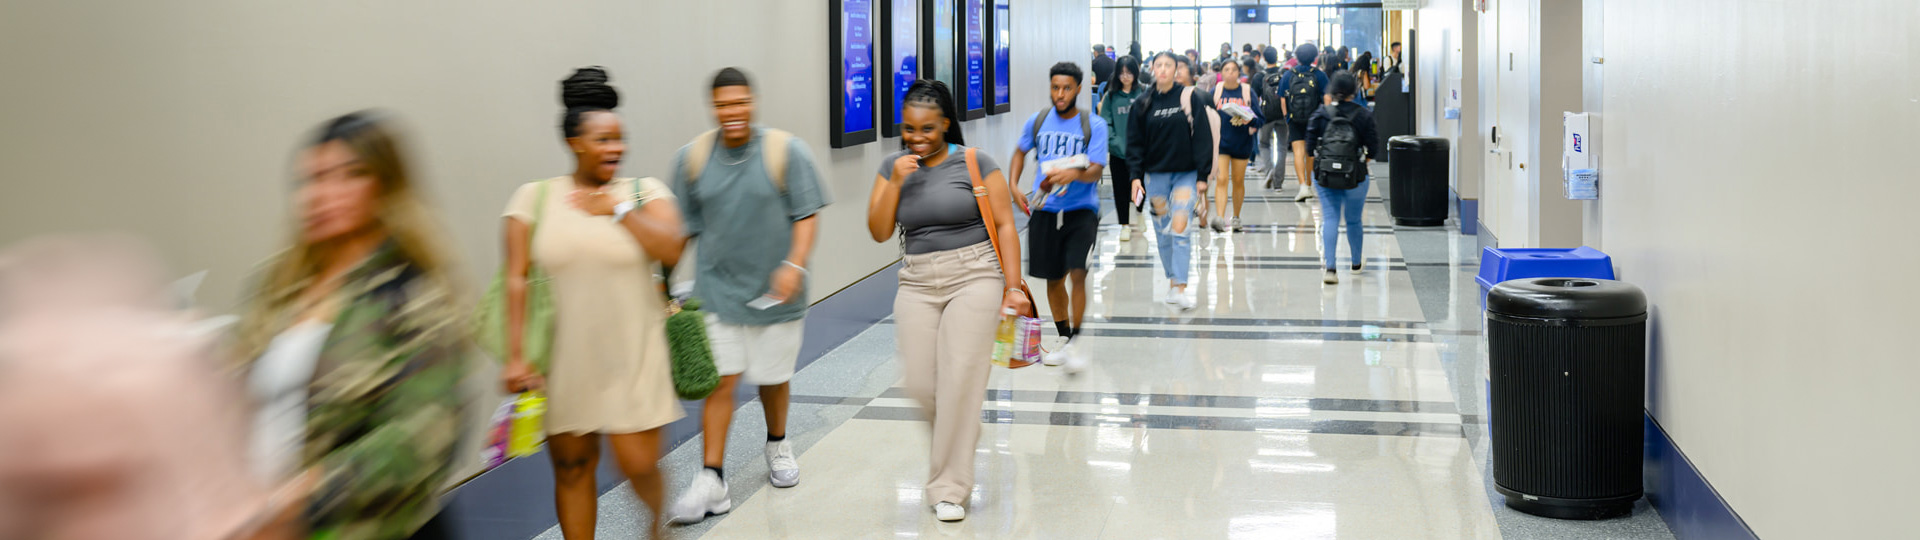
1418 168
1568 360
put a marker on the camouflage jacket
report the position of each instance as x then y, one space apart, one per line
384 407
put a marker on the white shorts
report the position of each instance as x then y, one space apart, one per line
765 355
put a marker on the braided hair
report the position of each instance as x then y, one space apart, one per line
583 92
934 94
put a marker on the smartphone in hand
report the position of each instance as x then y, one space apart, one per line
764 303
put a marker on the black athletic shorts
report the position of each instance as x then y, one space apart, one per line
1296 132
1058 243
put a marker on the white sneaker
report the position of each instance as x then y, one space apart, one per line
1306 192
783 470
1173 296
947 511
1126 233
1057 356
1187 301
1358 265
1076 359
1219 224
1333 278
707 496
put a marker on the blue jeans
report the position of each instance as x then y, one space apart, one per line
1336 204
1170 195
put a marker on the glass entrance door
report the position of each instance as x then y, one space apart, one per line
1282 36
1174 29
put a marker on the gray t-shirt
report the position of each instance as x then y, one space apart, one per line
745 227
937 210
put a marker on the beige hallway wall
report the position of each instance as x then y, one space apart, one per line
177 120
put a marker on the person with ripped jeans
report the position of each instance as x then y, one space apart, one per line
1169 160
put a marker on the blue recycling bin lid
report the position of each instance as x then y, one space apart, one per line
1498 265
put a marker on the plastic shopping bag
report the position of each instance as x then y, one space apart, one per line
1027 343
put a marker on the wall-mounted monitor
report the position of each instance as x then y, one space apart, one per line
1249 14
900 49
851 29
1002 57
938 20
974 85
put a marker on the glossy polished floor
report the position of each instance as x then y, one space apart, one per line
1279 408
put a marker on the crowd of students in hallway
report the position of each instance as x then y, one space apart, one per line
348 359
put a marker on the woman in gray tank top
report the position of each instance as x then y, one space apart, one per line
953 285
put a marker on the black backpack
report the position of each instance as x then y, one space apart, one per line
1270 96
1303 97
1339 156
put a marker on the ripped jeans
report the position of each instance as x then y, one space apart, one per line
1170 196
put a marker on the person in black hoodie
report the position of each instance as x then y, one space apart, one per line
1168 157
1336 204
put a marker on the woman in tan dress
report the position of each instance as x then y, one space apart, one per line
598 239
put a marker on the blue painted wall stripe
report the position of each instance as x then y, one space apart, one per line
1689 505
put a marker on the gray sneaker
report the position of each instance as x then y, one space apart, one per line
783 470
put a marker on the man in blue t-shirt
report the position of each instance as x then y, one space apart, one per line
1066 206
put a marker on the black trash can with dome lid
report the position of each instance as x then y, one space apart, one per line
1568 362
1418 191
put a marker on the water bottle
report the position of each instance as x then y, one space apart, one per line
1003 342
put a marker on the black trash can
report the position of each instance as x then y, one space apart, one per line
1568 359
1418 167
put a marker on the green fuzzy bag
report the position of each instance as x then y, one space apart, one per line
694 375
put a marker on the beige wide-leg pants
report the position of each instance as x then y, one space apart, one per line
945 317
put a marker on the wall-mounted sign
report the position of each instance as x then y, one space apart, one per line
851 27
1002 57
973 93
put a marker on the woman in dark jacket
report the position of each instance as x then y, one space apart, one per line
1337 205
1168 158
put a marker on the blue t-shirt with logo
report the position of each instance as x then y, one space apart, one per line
1059 138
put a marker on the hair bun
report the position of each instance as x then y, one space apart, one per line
588 87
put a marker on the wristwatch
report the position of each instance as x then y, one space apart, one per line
621 209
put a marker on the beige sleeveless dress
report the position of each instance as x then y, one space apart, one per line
610 372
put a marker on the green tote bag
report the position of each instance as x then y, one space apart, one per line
490 324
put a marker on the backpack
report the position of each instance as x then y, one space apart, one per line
1086 130
1270 97
1303 97
774 143
1338 157
1213 120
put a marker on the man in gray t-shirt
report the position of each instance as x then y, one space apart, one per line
751 197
